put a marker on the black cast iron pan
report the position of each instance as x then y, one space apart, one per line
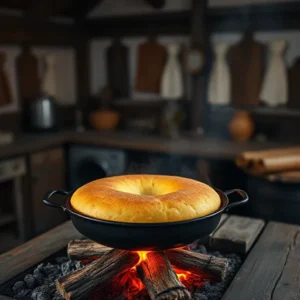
145 236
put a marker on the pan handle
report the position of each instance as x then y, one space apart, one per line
47 201
243 194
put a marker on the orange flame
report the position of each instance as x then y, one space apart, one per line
130 281
134 285
142 255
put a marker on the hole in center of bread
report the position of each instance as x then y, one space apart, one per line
149 191
145 191
143 188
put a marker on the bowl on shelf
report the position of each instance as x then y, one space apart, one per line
104 119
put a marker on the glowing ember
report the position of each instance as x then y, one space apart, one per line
131 286
131 282
183 275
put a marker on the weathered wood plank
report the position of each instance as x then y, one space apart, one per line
272 268
237 234
34 251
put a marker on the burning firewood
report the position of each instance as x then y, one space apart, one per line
86 250
160 279
183 259
81 283
198 263
154 268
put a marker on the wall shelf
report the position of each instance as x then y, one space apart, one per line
260 110
276 111
268 16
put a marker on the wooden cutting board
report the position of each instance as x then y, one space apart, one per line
117 69
28 81
5 88
294 87
151 58
246 61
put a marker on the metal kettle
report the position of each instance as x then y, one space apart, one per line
43 114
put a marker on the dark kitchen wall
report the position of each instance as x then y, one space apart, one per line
10 114
217 117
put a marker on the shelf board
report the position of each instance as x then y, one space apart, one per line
276 111
265 16
260 110
6 219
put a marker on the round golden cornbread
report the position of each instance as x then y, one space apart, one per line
145 199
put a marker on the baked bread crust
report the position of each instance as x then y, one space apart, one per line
145 199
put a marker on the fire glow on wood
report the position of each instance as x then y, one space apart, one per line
130 286
133 284
170 274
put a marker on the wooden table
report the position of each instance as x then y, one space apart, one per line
270 271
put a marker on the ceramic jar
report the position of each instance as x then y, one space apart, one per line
241 126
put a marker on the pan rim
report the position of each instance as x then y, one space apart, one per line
224 204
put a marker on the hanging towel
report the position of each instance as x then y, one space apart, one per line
275 85
220 81
49 80
172 81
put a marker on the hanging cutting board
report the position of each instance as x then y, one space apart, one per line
246 60
117 69
294 86
27 67
5 88
151 58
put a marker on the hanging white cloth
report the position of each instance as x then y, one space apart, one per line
275 85
49 75
172 79
220 81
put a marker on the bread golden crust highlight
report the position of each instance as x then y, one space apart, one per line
145 199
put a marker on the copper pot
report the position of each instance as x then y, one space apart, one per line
104 119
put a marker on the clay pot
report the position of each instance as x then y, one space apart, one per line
241 126
104 119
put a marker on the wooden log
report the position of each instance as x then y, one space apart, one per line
160 279
80 284
198 263
89 250
245 159
276 164
237 234
288 177
264 162
86 250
